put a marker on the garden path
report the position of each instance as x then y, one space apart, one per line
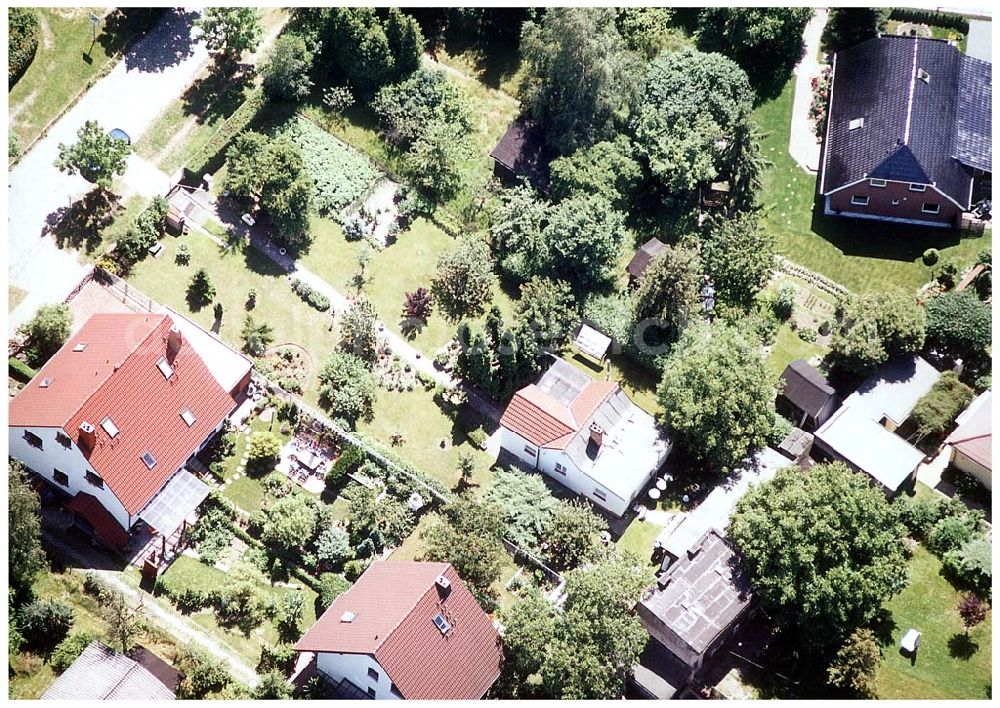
803 145
153 73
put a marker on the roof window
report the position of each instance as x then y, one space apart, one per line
856 123
164 368
442 624
188 417
109 427
348 616
148 459
45 383
80 347
923 76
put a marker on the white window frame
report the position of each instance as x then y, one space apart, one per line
109 427
561 468
895 202
877 182
601 494
94 479
856 197
529 450
914 187
188 417
57 473
856 123
935 210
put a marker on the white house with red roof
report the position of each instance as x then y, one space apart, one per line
972 441
585 434
406 630
112 418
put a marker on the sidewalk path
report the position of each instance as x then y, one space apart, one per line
151 75
803 145
183 630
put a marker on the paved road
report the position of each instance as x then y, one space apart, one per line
151 75
803 145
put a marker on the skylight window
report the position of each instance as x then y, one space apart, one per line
45 383
188 417
109 427
149 460
442 624
856 123
348 616
164 368
80 347
923 76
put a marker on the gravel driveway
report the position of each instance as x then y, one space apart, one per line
151 75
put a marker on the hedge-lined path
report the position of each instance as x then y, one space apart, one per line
180 628
153 74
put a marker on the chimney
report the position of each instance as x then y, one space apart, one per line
443 585
88 438
174 340
596 434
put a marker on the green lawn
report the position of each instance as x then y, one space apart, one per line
189 572
789 346
638 538
942 670
66 60
233 274
415 414
860 255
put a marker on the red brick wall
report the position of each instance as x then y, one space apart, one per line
910 203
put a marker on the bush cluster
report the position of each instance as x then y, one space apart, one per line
209 156
315 298
22 41
929 17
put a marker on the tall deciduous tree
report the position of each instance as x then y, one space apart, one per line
823 550
372 48
959 324
547 313
529 626
26 557
687 136
607 169
739 257
647 30
668 296
348 387
358 331
871 329
467 535
516 231
95 156
579 77
230 31
766 41
598 637
582 242
286 69
464 280
717 395
572 534
45 332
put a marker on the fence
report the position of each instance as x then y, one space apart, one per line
126 291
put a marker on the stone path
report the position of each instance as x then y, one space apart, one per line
151 75
803 145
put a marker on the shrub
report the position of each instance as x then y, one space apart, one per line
952 532
315 298
44 623
45 333
929 17
354 568
22 41
331 585
277 658
201 291
208 157
478 437
13 146
931 256
782 427
947 274
935 411
972 564
807 334
347 387
784 301
183 255
918 514
69 649
20 371
263 450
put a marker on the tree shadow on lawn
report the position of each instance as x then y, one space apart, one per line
216 95
80 225
962 647
876 239
882 626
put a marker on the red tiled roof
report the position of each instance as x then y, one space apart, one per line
394 606
541 419
116 376
103 523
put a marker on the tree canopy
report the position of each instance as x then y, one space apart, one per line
765 41
717 395
526 503
739 257
582 242
668 295
26 557
95 156
959 324
348 387
463 283
823 549
871 329
579 75
286 69
46 332
847 26
608 169
230 31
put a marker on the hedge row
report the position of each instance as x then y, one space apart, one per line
22 41
208 157
313 297
929 17
20 371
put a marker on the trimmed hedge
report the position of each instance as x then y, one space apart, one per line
207 159
20 371
22 41
315 298
928 17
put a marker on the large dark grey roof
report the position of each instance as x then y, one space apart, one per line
913 128
805 387
523 151
101 674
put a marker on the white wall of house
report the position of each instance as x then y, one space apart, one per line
965 463
355 668
569 475
519 447
54 456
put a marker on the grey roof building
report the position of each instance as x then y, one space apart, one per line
806 396
102 674
698 601
640 261
523 152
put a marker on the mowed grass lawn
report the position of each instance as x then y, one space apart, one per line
942 669
406 265
860 255
233 274
63 65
